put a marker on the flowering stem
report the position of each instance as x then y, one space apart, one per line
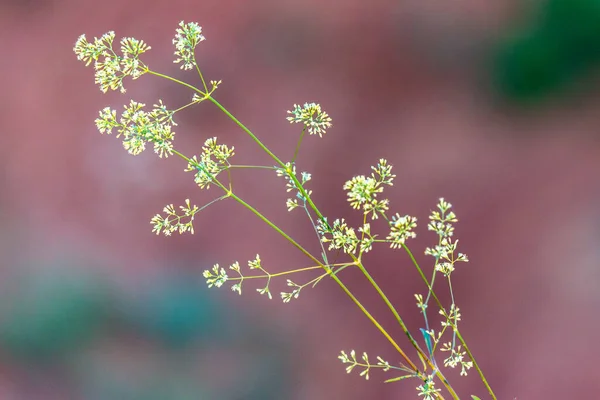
289 272
405 329
455 328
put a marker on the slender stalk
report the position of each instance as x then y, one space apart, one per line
298 144
289 272
251 166
200 74
184 107
195 89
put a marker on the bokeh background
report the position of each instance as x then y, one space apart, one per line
492 105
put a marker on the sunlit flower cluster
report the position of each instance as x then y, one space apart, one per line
339 235
366 365
173 221
110 68
217 276
363 191
313 118
187 37
401 228
213 160
428 389
139 127
456 358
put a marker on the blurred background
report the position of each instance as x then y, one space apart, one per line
491 105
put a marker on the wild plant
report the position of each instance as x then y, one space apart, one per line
437 348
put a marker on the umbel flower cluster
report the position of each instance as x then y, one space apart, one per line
213 167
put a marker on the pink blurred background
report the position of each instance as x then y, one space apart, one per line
410 81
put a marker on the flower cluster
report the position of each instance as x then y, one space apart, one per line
366 364
288 296
313 118
218 276
452 317
139 127
111 68
457 357
444 253
363 191
339 235
173 221
428 389
401 229
213 160
187 37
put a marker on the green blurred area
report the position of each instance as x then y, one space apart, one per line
552 54
152 344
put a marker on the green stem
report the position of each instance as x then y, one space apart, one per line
252 135
298 144
252 166
195 89
293 271
277 229
200 74
183 107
